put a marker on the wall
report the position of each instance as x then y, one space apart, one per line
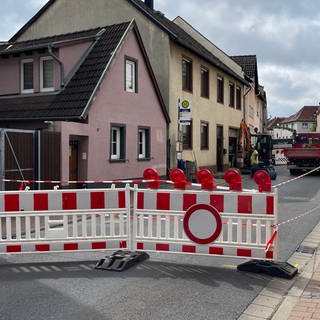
209 45
75 15
10 76
113 105
201 108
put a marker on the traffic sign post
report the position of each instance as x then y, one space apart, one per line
184 118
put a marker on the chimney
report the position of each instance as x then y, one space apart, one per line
149 3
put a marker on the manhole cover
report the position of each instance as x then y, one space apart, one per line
306 249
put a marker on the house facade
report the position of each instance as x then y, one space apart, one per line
97 89
255 105
304 121
184 68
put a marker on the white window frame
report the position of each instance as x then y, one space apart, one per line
23 62
130 79
142 142
117 141
42 89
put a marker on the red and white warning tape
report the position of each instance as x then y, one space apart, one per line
295 218
277 225
296 178
25 183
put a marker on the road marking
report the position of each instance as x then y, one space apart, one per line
55 268
83 266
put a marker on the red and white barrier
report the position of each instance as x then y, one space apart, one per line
243 228
279 157
64 220
212 221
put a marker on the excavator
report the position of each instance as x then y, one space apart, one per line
263 143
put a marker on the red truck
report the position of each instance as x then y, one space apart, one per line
304 155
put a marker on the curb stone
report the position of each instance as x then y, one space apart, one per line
278 298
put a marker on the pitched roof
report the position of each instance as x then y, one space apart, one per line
176 33
274 122
24 46
72 102
248 64
306 113
180 36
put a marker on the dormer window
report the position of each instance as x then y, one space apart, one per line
46 74
131 84
27 76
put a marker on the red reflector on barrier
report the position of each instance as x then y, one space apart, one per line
270 205
269 255
97 200
99 245
244 252
163 201
123 244
14 248
162 247
42 247
245 204
69 201
139 245
11 202
191 249
122 199
70 246
188 201
217 201
216 250
140 200
40 201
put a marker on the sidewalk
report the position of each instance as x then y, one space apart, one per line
295 299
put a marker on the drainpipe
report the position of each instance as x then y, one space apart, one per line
244 103
60 64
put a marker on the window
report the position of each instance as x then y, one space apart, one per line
186 74
231 95
187 136
131 84
143 143
46 74
251 112
304 125
220 92
238 98
27 76
204 135
204 82
117 142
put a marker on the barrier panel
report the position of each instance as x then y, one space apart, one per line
223 223
64 220
214 221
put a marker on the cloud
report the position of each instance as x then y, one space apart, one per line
284 35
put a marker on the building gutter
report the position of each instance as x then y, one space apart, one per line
62 83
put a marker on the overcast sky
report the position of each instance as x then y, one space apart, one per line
283 34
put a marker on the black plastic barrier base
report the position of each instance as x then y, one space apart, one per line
121 260
272 268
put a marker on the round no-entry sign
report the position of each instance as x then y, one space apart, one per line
202 223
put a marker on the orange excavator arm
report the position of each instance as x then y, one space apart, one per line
245 135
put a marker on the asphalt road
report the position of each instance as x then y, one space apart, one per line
65 286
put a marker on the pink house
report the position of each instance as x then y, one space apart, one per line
95 87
